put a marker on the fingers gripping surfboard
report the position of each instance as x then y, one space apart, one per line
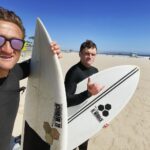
45 112
88 118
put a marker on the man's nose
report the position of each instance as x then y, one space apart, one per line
7 48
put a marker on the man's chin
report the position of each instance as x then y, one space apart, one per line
89 64
6 67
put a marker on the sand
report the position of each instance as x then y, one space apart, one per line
130 130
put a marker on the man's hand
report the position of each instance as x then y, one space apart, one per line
106 125
93 88
56 49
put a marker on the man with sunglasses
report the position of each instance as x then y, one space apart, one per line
12 34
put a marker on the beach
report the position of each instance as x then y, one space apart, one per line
130 130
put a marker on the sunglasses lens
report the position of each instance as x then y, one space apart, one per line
17 44
2 41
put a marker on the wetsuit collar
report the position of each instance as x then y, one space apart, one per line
83 67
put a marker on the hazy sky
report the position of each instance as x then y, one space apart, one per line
114 25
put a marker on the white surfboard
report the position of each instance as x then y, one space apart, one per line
45 114
88 118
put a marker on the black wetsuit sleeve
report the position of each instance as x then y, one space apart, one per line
24 69
75 99
71 81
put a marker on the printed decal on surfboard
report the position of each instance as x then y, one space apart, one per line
57 119
101 111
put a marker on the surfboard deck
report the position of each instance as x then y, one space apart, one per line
45 112
88 118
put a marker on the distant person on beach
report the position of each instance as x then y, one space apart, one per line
12 34
79 72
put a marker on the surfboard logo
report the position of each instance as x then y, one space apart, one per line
97 115
104 109
57 119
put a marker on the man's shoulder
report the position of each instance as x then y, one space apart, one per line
73 68
73 71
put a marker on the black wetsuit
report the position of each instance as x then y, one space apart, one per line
76 74
9 101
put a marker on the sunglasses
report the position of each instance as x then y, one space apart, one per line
16 44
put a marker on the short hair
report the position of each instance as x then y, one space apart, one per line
87 44
10 16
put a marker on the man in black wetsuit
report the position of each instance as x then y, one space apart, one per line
79 72
12 34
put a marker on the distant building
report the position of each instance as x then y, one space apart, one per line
134 55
